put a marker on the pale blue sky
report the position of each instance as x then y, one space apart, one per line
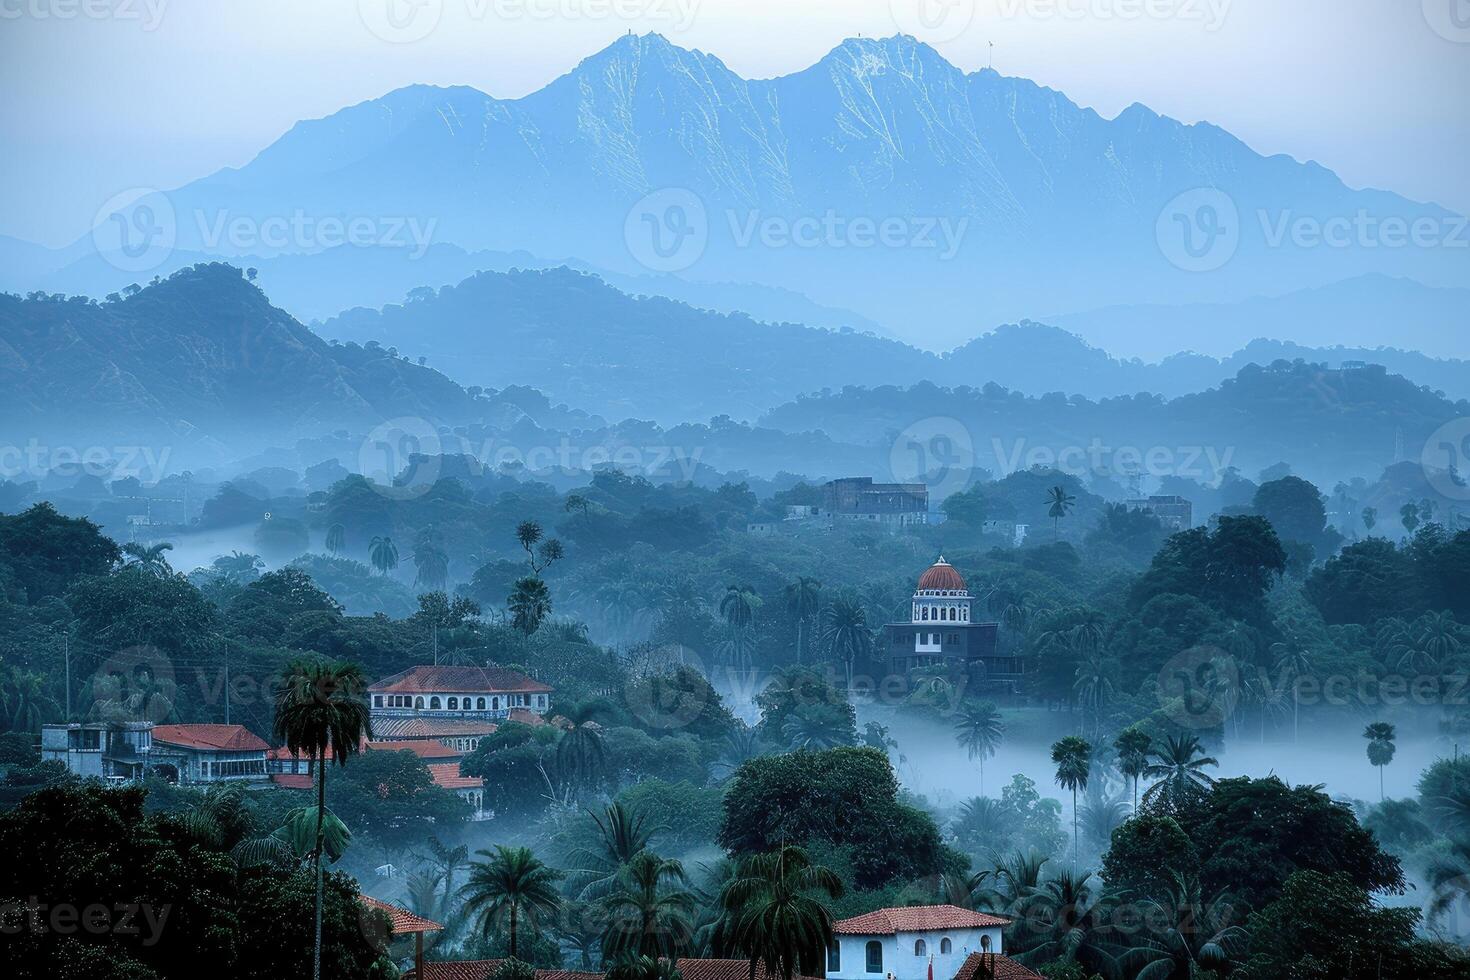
157 92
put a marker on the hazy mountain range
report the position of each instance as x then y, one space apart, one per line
586 343
881 180
202 364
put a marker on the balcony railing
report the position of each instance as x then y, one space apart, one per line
477 715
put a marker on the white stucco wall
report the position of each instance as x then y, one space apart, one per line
898 953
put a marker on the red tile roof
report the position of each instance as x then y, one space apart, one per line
986 966
716 969
404 921
291 780
481 969
446 774
281 752
917 918
452 680
424 748
219 738
390 729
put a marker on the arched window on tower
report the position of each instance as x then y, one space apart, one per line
945 946
919 948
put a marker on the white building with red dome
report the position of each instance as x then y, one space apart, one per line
942 632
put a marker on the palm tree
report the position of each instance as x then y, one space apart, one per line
383 553
1059 504
1012 881
741 745
651 911
738 607
1380 736
1102 814
1178 767
1292 661
1067 918
774 914
1073 758
580 754
1133 746
151 559
635 967
845 631
803 598
979 731
336 541
623 832
1188 936
446 862
1093 684
530 604
510 883
32 707
431 561
816 727
321 709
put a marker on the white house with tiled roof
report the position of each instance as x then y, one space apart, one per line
904 943
457 692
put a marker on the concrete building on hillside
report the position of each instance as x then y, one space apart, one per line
1173 511
889 504
187 754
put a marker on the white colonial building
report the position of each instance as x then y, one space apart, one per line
472 693
909 943
124 751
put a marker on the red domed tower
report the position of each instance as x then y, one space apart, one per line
942 633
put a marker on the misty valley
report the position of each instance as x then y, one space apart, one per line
863 516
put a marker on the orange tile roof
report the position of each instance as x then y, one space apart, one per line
481 969
723 969
446 774
995 967
219 738
451 680
917 918
291 780
281 752
390 729
424 748
404 921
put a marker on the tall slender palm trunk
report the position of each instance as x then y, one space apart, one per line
316 864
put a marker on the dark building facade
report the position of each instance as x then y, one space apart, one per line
941 633
860 499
